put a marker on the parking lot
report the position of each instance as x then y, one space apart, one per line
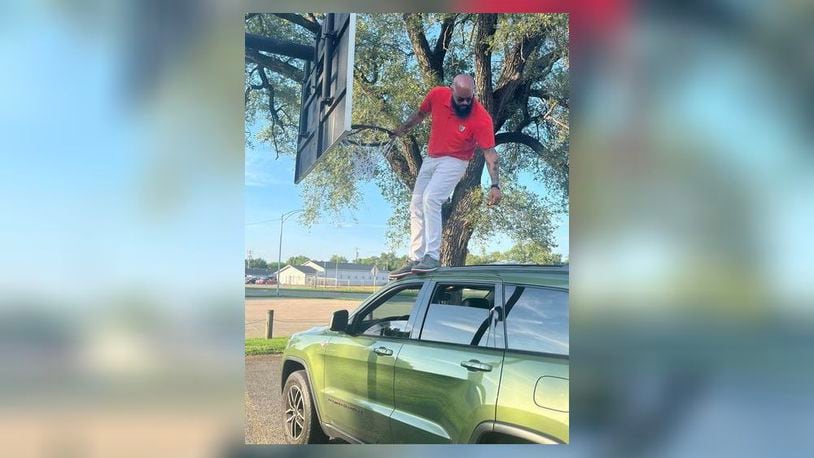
263 401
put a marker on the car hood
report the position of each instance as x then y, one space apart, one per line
313 331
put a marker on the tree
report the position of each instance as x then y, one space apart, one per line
297 260
391 261
532 253
398 58
490 258
385 261
337 258
258 263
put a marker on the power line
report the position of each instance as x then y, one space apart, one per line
263 222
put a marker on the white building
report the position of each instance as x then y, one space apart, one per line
322 273
297 275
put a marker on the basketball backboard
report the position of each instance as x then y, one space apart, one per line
327 92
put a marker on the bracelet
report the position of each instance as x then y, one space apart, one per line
496 186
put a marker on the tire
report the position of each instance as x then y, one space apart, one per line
300 423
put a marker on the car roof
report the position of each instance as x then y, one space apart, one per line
529 274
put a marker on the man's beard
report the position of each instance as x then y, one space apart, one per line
462 111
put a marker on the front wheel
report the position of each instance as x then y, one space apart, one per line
300 422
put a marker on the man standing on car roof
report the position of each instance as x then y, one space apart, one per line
460 124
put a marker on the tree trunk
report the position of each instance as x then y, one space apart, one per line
457 214
486 27
431 68
456 247
458 227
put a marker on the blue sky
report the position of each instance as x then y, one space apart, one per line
270 191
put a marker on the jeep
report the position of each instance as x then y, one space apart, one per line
475 354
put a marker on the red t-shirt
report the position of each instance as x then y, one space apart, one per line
454 136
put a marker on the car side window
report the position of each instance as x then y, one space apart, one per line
390 316
537 319
460 314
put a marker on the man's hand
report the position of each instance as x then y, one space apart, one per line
397 133
414 120
490 155
494 196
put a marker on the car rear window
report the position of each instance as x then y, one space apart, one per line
537 319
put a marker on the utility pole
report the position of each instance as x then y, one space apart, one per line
283 217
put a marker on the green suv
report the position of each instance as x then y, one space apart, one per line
475 354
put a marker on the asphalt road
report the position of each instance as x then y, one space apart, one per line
263 401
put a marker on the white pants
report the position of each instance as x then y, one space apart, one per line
435 182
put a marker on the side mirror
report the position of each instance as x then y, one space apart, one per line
339 321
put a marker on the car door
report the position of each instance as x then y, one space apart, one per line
447 375
359 364
534 390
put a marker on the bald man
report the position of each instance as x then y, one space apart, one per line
460 125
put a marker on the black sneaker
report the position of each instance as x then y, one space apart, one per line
404 270
428 264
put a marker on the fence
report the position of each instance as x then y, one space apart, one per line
267 325
290 315
332 282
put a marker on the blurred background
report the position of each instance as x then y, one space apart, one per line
121 223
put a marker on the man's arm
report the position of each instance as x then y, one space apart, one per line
492 166
413 121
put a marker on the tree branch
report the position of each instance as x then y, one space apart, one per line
275 46
511 88
273 110
405 165
309 24
524 139
442 43
486 26
277 66
423 53
518 55
542 95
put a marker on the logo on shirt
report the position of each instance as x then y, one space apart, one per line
461 127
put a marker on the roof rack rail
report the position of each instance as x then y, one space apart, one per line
515 265
562 268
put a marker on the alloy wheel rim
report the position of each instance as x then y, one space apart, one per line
295 412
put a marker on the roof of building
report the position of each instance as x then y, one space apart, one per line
304 269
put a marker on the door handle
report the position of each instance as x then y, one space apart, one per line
475 365
384 351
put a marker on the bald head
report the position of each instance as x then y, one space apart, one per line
463 95
463 86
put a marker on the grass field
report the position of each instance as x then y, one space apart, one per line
262 346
